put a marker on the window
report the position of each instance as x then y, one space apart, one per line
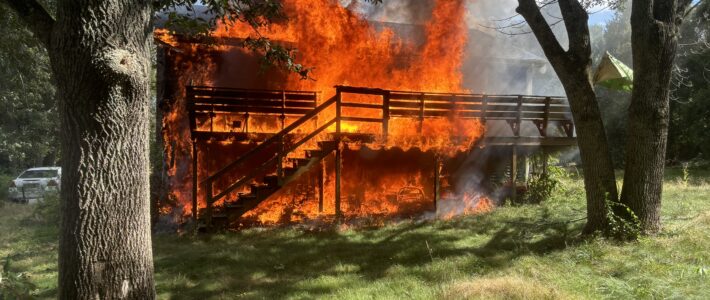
39 174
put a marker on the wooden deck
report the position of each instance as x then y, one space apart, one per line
543 112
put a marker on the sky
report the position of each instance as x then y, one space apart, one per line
601 15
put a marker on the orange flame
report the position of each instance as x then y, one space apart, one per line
343 49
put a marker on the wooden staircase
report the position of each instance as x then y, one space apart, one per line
270 184
273 173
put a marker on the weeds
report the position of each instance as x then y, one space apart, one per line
14 285
624 225
685 176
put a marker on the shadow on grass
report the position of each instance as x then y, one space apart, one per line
273 263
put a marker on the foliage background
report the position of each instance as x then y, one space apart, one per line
29 125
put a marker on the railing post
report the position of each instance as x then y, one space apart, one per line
484 109
385 115
283 109
338 102
518 118
246 122
212 115
338 163
421 113
546 117
194 183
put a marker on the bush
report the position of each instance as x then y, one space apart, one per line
540 187
4 185
48 210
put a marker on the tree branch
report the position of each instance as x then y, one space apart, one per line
549 43
685 8
575 17
35 16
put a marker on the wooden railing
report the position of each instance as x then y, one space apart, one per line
206 102
511 108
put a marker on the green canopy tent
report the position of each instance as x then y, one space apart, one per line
613 74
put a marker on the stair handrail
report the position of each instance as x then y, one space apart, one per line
277 138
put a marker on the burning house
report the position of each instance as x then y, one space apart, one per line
388 125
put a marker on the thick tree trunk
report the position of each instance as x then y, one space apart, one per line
573 66
100 52
654 40
597 167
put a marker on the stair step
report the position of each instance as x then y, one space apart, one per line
218 216
311 153
299 162
290 171
246 197
233 206
260 188
271 180
328 145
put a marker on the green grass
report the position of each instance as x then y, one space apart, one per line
525 252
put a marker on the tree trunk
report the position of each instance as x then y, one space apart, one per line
574 66
100 54
654 39
597 167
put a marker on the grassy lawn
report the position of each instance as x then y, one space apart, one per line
526 252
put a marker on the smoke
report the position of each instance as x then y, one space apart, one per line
502 56
395 11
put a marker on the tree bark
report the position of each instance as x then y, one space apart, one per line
100 56
654 39
574 68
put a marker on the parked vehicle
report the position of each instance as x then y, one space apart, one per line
32 185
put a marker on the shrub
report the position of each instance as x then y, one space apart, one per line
540 187
623 222
48 210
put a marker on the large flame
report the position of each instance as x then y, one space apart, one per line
343 49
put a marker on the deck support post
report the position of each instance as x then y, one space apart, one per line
437 183
194 183
338 154
321 173
526 161
514 174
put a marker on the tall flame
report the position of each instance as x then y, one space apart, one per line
343 49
